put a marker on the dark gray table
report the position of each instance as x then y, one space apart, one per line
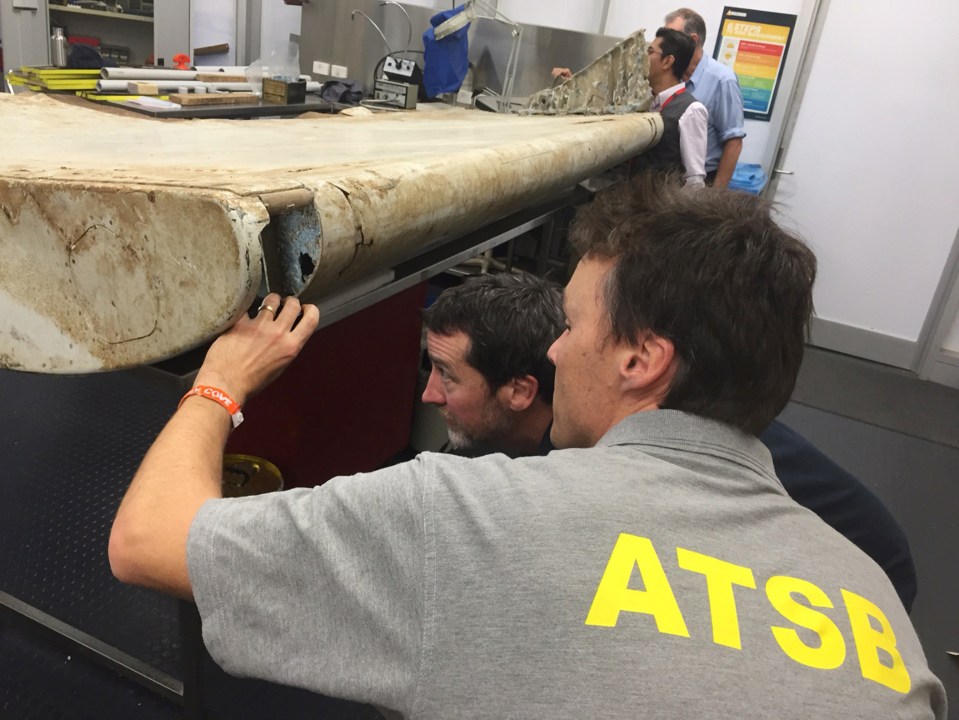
313 103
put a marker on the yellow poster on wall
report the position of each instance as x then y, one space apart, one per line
754 43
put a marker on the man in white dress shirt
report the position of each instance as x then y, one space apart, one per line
717 87
685 119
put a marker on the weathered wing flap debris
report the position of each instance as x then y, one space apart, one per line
128 240
616 82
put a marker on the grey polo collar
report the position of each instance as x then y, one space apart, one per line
681 430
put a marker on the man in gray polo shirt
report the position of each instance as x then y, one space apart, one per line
653 567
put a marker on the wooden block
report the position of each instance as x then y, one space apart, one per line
141 87
279 92
217 49
234 98
216 77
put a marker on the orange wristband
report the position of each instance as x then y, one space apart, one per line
217 396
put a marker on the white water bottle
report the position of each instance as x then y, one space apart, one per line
58 48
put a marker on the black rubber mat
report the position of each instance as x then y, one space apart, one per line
41 681
69 446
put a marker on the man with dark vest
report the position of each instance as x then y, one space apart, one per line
685 119
717 87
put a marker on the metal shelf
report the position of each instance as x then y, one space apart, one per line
100 13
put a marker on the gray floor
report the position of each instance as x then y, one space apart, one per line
879 395
900 436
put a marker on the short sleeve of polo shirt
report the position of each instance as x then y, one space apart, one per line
318 588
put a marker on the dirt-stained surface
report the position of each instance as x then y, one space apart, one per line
163 218
93 278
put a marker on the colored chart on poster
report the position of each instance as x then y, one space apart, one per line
754 43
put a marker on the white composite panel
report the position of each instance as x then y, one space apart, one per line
124 240
875 197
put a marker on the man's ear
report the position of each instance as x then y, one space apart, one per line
668 62
649 364
520 392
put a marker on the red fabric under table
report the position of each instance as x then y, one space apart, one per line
345 405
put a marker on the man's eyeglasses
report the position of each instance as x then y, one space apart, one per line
653 51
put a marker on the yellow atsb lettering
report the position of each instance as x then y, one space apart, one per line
870 641
831 652
614 594
720 578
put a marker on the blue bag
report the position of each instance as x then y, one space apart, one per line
445 61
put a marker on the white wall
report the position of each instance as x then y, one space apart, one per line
952 339
277 21
875 157
578 15
213 22
171 29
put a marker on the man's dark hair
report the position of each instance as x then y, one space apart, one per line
712 272
511 320
680 46
692 22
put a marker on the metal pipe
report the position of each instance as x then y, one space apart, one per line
360 12
409 23
14 609
126 73
122 86
165 85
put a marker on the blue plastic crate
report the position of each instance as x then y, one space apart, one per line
748 177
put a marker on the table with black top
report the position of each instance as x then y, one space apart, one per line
313 103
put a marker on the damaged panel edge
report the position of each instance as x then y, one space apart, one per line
403 208
292 241
98 279
277 203
312 235
341 236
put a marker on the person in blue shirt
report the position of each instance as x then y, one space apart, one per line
716 87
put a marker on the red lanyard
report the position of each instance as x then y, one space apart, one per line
670 98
